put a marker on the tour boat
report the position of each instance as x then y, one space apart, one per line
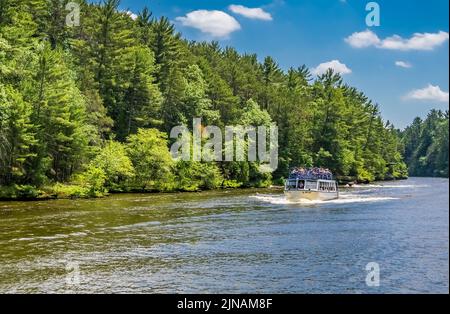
311 185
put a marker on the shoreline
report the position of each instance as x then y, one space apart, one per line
48 197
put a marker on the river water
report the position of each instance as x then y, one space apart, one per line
233 241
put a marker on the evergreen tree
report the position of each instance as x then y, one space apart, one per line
426 145
17 137
59 114
71 98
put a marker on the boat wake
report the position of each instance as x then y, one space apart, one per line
388 186
343 199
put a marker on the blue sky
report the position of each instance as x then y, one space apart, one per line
407 74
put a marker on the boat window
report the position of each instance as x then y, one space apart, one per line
310 185
291 184
327 186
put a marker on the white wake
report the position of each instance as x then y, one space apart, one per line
390 186
343 199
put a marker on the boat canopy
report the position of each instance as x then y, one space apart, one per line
313 173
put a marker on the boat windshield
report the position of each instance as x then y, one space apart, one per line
310 174
301 185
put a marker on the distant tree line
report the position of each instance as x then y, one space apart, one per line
85 110
426 145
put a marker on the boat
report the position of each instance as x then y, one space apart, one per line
311 184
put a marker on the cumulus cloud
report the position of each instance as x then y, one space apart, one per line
335 65
215 23
363 39
419 41
403 64
251 13
430 93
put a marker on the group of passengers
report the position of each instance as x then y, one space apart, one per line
314 173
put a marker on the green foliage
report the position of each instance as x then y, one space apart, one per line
60 113
194 176
232 184
60 190
149 153
19 192
252 115
93 181
195 102
115 165
426 145
17 136
86 110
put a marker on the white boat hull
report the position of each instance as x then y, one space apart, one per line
297 196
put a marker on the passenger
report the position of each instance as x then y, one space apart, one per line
312 173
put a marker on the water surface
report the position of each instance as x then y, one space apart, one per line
230 242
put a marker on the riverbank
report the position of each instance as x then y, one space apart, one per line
68 191
60 191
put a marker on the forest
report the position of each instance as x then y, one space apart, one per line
87 110
426 145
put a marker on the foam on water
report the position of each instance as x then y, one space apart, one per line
343 199
390 186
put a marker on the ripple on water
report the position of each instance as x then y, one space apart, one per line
234 241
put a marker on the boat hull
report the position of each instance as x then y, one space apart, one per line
297 196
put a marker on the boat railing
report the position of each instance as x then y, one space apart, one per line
311 177
310 174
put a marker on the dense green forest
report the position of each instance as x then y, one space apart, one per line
426 145
87 109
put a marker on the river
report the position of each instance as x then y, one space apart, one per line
233 241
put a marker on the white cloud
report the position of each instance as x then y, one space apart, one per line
403 64
335 65
215 23
433 93
363 39
132 15
251 13
419 41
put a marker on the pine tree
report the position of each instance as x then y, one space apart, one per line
165 45
144 23
59 114
142 97
17 137
426 145
71 90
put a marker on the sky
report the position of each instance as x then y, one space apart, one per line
401 63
